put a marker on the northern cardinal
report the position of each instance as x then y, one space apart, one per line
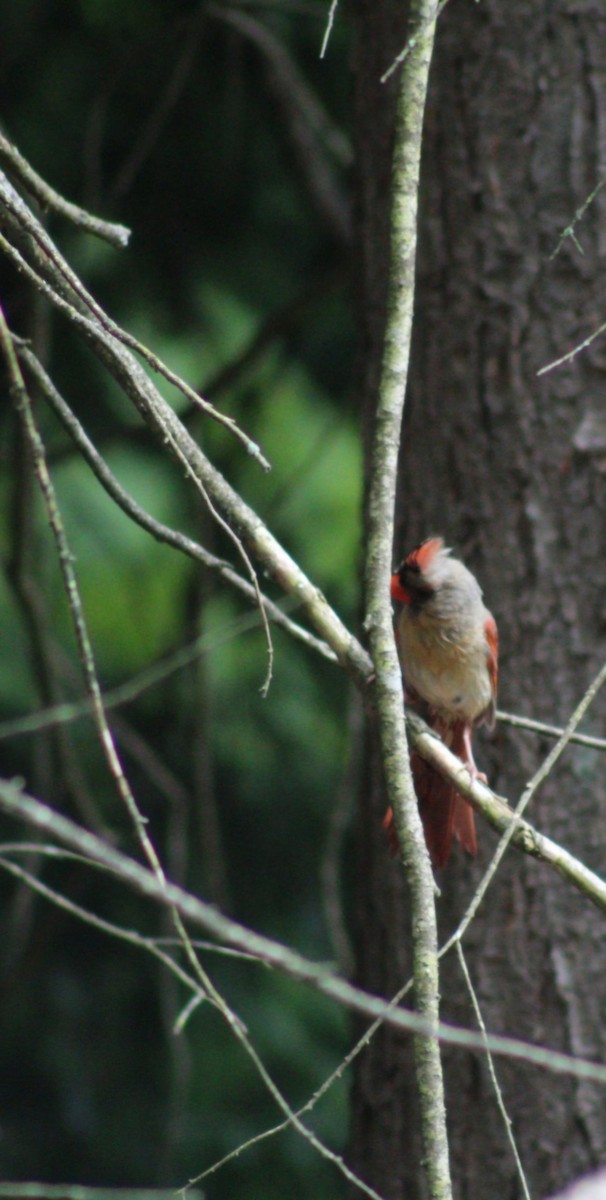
448 646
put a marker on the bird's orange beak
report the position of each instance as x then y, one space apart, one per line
398 592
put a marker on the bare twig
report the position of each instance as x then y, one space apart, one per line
208 993
318 1094
124 693
507 821
493 1074
76 1191
23 406
162 533
17 803
558 362
330 20
292 1117
168 427
23 218
550 731
101 924
409 46
543 847
569 231
107 331
18 166
55 757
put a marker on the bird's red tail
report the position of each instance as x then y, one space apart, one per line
444 812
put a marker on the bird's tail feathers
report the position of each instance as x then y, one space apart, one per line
444 813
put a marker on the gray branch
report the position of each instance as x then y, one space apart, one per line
45 275
48 198
17 803
389 692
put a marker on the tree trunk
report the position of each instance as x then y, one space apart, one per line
510 467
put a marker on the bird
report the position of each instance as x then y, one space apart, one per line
448 647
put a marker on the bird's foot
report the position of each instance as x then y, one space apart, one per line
469 759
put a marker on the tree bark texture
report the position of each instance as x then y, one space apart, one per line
509 466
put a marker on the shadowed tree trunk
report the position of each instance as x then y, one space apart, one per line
510 467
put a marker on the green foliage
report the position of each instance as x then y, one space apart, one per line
226 242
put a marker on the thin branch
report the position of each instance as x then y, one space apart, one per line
101 329
161 532
171 431
330 20
101 924
18 211
292 1117
137 685
234 537
497 812
23 406
378 621
569 231
493 1074
558 362
48 198
208 993
551 731
584 879
56 758
294 1120
553 756
410 45
318 1094
76 1191
17 803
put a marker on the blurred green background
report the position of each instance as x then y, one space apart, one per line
217 134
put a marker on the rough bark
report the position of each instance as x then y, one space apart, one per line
509 467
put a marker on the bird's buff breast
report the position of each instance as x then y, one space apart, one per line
446 669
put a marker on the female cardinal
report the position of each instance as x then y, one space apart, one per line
448 646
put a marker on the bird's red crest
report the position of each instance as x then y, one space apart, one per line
424 554
416 562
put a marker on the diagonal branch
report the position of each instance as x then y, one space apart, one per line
17 803
161 532
550 731
48 198
168 427
504 819
22 221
